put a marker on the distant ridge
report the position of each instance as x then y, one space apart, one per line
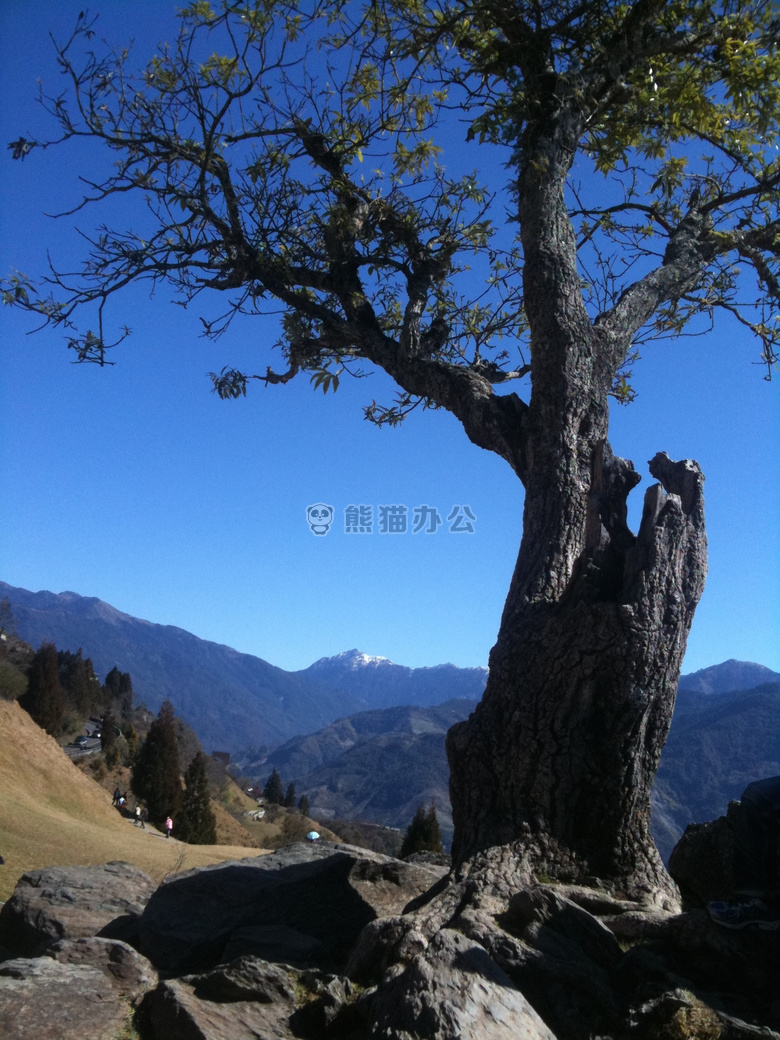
384 684
728 676
232 700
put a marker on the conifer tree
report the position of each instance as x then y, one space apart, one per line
273 791
303 805
111 684
108 732
44 700
289 798
422 834
432 831
7 617
196 823
119 691
156 778
78 682
414 833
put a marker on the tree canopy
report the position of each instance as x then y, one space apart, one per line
302 159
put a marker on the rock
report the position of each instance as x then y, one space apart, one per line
130 974
43 999
558 927
326 1007
241 1001
304 905
701 861
559 955
678 1014
73 902
247 978
451 991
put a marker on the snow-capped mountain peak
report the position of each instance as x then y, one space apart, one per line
350 659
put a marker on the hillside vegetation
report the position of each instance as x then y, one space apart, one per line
52 814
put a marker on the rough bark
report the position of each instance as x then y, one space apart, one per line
567 738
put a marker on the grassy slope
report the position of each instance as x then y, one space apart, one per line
52 814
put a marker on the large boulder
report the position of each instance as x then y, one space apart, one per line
45 999
240 1001
71 903
127 972
304 905
701 861
453 989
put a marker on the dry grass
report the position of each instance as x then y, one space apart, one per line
52 814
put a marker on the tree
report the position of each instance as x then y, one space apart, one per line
79 682
303 805
119 689
7 617
641 143
108 732
196 822
44 700
273 792
422 834
156 776
289 797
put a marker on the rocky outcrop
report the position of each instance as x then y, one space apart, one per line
74 902
305 905
701 861
330 942
454 989
41 999
241 1001
82 988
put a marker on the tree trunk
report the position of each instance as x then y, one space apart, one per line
563 748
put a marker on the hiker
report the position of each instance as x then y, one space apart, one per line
755 862
138 815
117 796
168 827
144 818
120 804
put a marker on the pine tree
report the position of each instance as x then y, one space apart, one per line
125 694
78 682
303 805
111 684
273 791
119 691
196 823
422 834
108 732
7 617
432 831
44 700
156 778
289 798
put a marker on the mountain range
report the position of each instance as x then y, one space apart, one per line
232 700
380 765
363 737
375 765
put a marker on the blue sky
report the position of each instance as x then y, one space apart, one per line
136 484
